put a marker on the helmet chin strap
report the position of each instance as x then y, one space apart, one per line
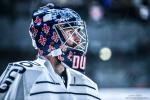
55 53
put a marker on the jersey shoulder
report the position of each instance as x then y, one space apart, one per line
27 64
17 69
20 67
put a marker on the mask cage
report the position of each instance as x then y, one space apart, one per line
73 35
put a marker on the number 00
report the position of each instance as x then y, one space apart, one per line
79 62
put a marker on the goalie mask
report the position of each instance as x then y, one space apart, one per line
61 33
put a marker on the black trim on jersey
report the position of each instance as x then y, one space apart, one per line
40 82
36 93
82 85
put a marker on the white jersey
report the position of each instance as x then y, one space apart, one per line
37 80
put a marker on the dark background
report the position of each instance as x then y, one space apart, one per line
123 26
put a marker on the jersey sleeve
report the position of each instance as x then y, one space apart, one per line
10 81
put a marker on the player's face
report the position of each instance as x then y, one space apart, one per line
71 37
74 34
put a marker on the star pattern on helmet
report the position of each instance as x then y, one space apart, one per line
42 40
37 20
45 28
55 37
34 31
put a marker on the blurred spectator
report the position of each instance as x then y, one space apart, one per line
141 6
95 12
144 12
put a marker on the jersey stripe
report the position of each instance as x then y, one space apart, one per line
82 85
41 92
41 82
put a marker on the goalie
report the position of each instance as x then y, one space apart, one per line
59 35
